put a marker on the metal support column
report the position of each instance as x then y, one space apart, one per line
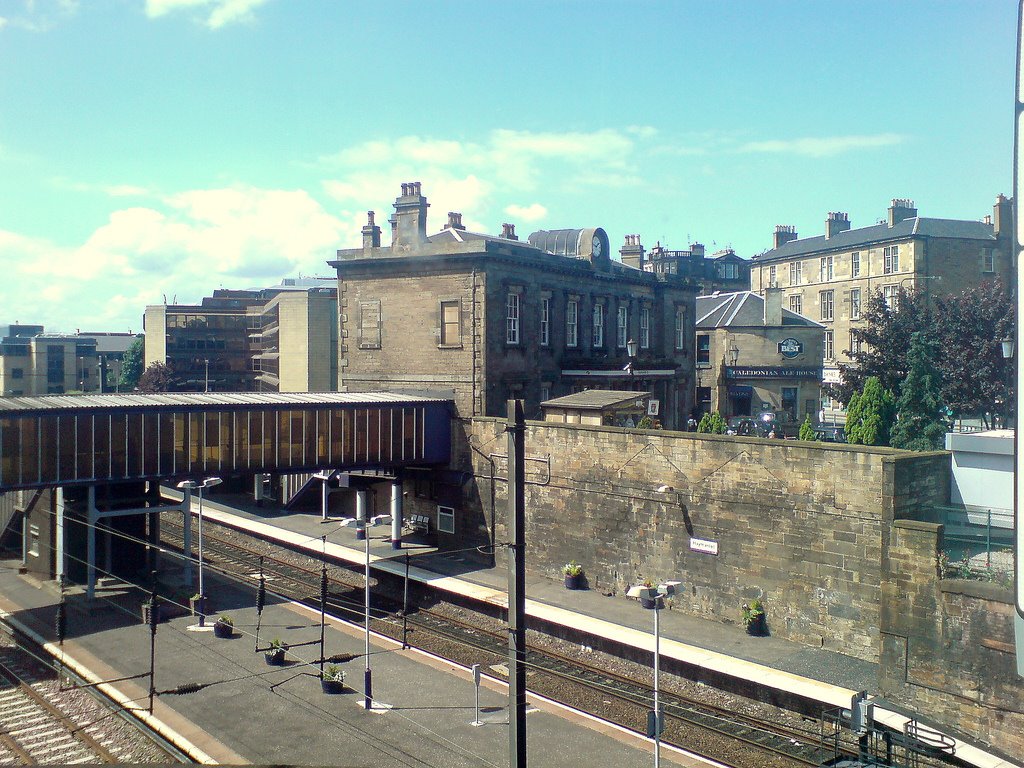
396 514
516 430
186 522
61 562
91 516
361 497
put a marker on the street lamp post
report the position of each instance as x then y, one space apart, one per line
367 672
207 377
655 597
1007 346
631 352
192 485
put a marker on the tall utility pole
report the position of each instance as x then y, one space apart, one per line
516 429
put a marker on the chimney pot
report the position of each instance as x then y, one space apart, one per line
836 222
900 209
784 233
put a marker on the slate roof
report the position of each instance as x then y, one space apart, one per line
743 309
877 233
595 399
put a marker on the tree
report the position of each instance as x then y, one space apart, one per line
712 423
884 338
870 414
156 378
919 426
131 365
976 379
807 429
966 329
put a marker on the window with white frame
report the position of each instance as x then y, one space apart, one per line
572 317
704 349
855 343
826 268
891 295
645 328
828 346
855 264
446 519
796 272
771 275
680 327
598 336
826 300
451 328
988 260
890 259
855 303
512 318
545 321
622 326
796 304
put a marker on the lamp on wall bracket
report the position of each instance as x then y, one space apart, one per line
734 354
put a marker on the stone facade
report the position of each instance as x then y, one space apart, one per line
830 278
801 526
492 318
947 644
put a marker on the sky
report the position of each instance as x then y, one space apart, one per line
156 150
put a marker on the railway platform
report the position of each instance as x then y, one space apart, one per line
248 712
822 675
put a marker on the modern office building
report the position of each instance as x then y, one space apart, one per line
490 317
277 339
33 362
829 277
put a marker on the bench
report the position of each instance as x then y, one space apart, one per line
419 523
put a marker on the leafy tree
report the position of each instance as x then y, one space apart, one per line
919 426
712 423
975 377
966 329
156 378
131 365
869 415
807 429
884 338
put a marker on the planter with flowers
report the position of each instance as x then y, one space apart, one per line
754 619
573 573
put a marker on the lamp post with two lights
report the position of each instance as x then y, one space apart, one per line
192 485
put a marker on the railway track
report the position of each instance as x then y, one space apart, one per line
730 736
43 723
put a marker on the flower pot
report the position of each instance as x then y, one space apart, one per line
220 629
332 686
758 626
573 582
275 658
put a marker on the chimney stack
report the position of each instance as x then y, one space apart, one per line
508 231
836 222
784 233
1002 216
371 232
697 249
632 253
409 222
772 307
901 208
455 221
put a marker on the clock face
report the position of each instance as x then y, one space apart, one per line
597 246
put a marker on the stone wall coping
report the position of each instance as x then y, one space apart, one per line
917 525
888 454
983 590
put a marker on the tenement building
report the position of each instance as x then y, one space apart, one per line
277 339
754 355
492 317
829 277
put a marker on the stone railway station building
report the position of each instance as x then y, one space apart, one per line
492 318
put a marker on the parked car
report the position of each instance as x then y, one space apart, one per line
830 433
745 425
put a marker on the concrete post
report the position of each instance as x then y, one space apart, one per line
396 514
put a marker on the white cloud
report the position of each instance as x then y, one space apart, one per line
186 244
39 15
215 13
823 146
532 212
